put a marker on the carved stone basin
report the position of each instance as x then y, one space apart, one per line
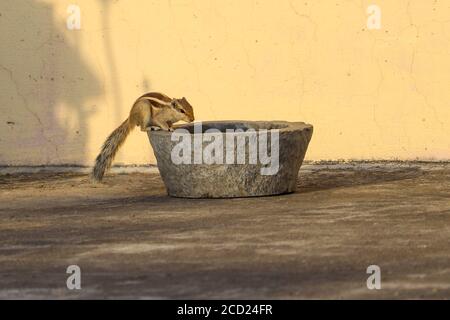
225 159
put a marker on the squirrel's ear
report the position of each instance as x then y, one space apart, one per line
173 103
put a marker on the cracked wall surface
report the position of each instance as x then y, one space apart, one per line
370 94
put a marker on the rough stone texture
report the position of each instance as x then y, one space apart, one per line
133 241
232 180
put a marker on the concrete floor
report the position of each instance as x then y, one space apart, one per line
132 241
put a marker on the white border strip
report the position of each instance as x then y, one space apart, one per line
307 165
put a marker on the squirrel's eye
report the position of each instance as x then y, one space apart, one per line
182 111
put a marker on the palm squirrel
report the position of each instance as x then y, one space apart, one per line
151 111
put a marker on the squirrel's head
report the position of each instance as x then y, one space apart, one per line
183 108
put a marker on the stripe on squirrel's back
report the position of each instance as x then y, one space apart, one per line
155 102
157 95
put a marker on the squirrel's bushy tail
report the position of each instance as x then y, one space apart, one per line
109 150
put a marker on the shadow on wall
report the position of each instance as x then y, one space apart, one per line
117 97
45 87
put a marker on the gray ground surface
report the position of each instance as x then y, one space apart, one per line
132 241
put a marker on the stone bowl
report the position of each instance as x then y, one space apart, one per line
190 169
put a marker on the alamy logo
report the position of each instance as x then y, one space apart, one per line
73 21
374 19
74 280
231 151
374 280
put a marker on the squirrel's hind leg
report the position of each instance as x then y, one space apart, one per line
146 122
153 128
163 125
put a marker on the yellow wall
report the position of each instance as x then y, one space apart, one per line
370 94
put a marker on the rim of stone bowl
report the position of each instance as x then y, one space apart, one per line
244 124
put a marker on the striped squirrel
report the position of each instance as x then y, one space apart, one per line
151 111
